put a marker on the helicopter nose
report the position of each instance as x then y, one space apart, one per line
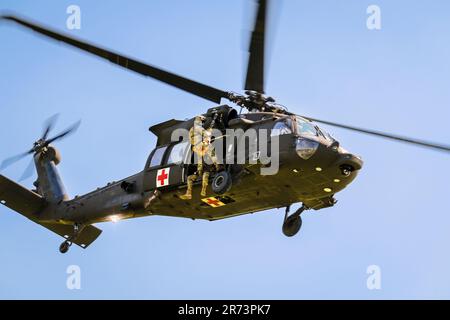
348 162
341 172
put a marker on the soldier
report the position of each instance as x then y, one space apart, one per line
200 139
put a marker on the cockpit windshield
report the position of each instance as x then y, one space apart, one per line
327 135
282 127
304 127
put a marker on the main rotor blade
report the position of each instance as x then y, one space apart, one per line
9 161
255 69
49 125
172 79
418 142
66 132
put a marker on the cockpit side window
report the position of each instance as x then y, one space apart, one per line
305 127
282 127
157 157
178 153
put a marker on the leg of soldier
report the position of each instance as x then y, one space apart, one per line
205 180
199 165
190 185
212 156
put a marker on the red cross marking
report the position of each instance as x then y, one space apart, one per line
212 201
162 177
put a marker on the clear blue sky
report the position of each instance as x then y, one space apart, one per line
323 62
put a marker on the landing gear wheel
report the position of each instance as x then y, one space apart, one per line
64 247
292 225
221 182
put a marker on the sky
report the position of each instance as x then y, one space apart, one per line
323 62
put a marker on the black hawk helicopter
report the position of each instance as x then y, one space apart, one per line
313 166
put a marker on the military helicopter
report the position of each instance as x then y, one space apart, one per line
313 166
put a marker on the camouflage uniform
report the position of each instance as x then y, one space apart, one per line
200 139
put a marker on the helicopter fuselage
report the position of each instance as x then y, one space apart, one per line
312 168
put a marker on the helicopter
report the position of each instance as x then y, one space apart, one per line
312 165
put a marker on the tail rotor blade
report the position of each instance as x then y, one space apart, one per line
39 146
9 161
28 171
49 124
65 133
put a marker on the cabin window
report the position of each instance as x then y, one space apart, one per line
281 127
178 153
157 157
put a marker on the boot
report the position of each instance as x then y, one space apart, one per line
205 180
190 184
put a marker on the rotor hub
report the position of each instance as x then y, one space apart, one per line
255 101
39 145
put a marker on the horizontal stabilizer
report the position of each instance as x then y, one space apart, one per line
20 199
29 204
84 239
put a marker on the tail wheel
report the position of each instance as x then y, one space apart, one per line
221 182
64 247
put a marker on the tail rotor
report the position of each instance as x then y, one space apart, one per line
40 145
